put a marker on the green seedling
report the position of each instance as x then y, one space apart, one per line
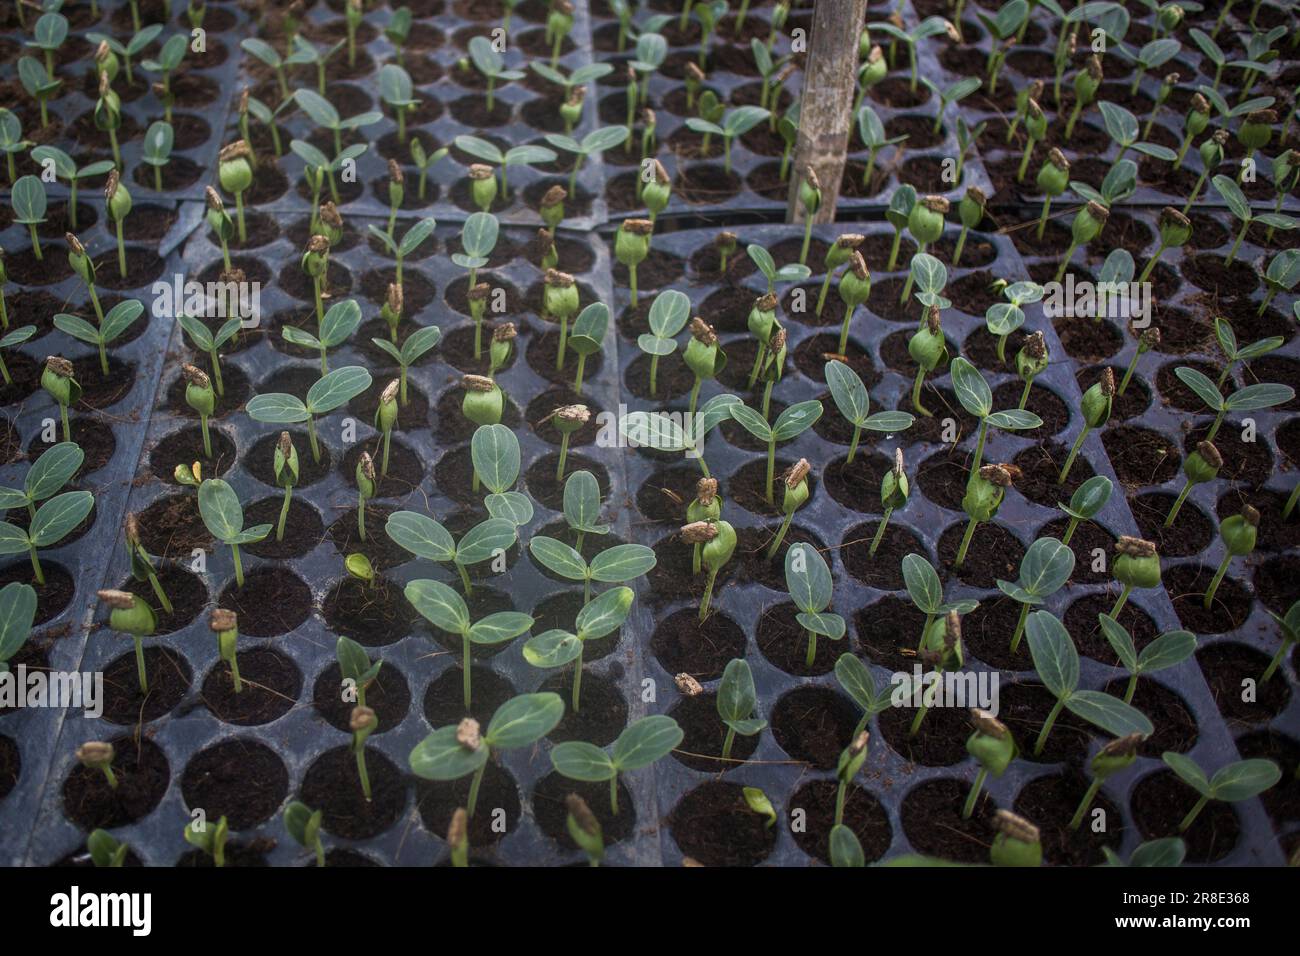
209 839
976 398
494 452
1096 406
734 124
105 850
1044 569
225 625
790 424
47 475
854 404
992 745
28 202
284 466
737 704
1111 759
304 825
665 432
1246 399
41 87
453 752
641 744
1018 842
95 755
62 166
855 679
1282 274
362 723
411 240
1239 533
52 522
717 540
1240 207
129 614
223 516
926 593
1167 650
584 829
1231 783
925 222
1200 467
414 348
1085 504
1136 565
1057 663
1031 361
1288 625
17 613
985 491
593 144
941 648
669 313
1003 318
616 565
517 156
1167 851
170 57
426 538
598 618
808 580
328 393
200 396
59 382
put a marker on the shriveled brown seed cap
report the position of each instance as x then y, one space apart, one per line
724 238
582 815
858 266
504 332
574 414
694 73
236 150
111 184
554 277
1093 66
810 176
74 244
389 394
554 196
477 383
798 472
395 172
1250 515
932 320
214 199
859 743
1001 474
94 753
777 342
898 463
59 366
1057 159
243 101
394 299
976 195
576 95
1036 346
1135 547
1169 216
1124 746
1107 381
196 376
1211 454
223 619
479 171
1098 211
1015 827
132 527
987 724
952 629
1266 117
1151 337
639 227
1200 104
699 532
362 718
118 600
478 292
850 240
937 204
285 444
706 491
467 734
102 52
765 302
458 829
318 244
235 275
702 332
367 466
688 685
661 174
329 214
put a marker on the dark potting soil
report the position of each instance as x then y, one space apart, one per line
236 855
172 527
547 490
857 485
1087 539
240 779
303 528
1227 665
1160 801
753 545
1191 533
1175 727
1040 472
883 570
378 547
1081 621
185 446
444 701
863 814
1187 585
994 553
142 777
387 695
931 819
682 644
169 679
785 643
814 725
1141 456
602 712
1282 801
10 765
332 784
939 742
552 813
888 632
1024 708
260 459
543 347
714 825
271 683
238 390
273 601
1050 802
374 614
52 597
498 796
1277 582
705 735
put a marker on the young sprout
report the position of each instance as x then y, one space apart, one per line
1147 340
631 246
1044 569
412 239
210 839
1053 179
992 745
1086 83
51 523
50 472
971 211
40 86
1231 783
583 828
1167 650
386 419
1246 399
1117 755
367 487
717 540
1096 407
854 288
706 506
224 517
560 302
855 679
929 349
494 451
568 419
517 156
666 433
423 161
483 404
1167 86
300 820
795 490
1201 466
270 57
396 193
734 123
790 424
594 143
737 704
1136 565
108 116
1282 274
926 591
1034 91
201 397
668 314
810 200
362 722
459 750
225 624
426 538
1211 152
1017 843
725 244
328 393
307 54
976 398
1087 225
57 379
129 614
1288 625
551 209
703 356
97 755
413 348
503 339
1085 503
850 763
925 223
1240 207
285 468
840 252
1031 361
808 580
398 29
355 668
105 850
642 743
1007 27
558 24
1238 532
28 202
616 565
854 403
941 648
236 175
984 493
929 27
1057 663
1035 132
1175 230
1003 318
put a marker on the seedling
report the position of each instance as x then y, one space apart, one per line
1211 152
1044 569
328 393
616 565
1168 851
413 349
49 473
40 86
1087 225
985 491
1003 318
224 517
427 539
169 60
307 54
1246 399
737 704
362 723
855 679
138 43
929 349
1053 179
1201 466
1006 28
1086 83
106 851
941 647
494 451
1057 662
594 143
319 169
1288 625
27 199
929 27
129 614
516 156
1240 207
583 827
1147 340
1282 274
51 523
96 755
1018 842
423 161
925 222
57 380
304 824
210 839
667 318
452 752
17 612
631 246
1239 533
926 591
641 744
367 487
854 288
398 29
735 123
665 432
992 745
1136 565
1096 408
976 397
1086 502
717 540
794 486
808 580
411 240
1231 783
1167 650
790 424
791 272
355 668
65 168
810 200
854 403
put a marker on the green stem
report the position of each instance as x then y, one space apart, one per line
1065 260
564 451
577 680
1192 814
1128 372
361 517
1024 396
807 237
727 742
1178 503
613 794
1042 219
311 437
780 536
708 594
1290 502
853 445
1074 452
821 296
916 393
880 532
975 789
1218 578
207 437
1085 803
140 673
1047 727
1131 689
811 656
1276 661
979 449
771 470
361 771
159 592
239 566
1123 599
284 512
1020 628
965 541
844 330
1069 530
465 669
464 578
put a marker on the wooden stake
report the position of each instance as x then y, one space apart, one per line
829 84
